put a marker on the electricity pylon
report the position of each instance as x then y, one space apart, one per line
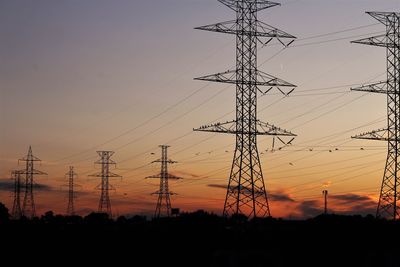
28 208
388 206
246 193
71 192
163 207
16 212
105 161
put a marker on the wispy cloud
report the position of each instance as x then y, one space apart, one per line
185 174
350 197
8 185
354 204
347 204
280 196
217 186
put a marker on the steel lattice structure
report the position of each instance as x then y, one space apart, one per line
163 207
105 161
246 193
71 192
16 212
388 206
28 208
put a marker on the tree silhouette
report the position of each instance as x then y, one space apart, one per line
4 215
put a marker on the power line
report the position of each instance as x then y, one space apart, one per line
178 103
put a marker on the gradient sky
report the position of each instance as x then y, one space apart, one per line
80 76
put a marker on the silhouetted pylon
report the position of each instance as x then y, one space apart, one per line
163 207
71 192
105 162
28 208
16 212
388 206
246 193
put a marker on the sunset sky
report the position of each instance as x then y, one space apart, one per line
81 76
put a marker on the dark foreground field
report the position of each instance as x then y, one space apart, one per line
201 239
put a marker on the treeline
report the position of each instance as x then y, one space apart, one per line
201 239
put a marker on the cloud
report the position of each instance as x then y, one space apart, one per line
354 204
280 196
185 174
350 197
363 209
8 185
42 187
217 186
327 184
309 208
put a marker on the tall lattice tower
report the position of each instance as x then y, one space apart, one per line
71 192
16 212
246 193
105 162
28 208
388 206
163 207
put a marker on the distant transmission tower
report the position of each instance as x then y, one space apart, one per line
163 207
28 208
325 194
71 193
246 193
388 206
105 162
16 212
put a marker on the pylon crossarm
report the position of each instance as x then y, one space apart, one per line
382 17
265 128
262 30
33 171
163 193
153 176
106 162
380 135
383 40
167 176
99 174
33 158
266 30
173 177
167 161
380 87
263 79
222 77
225 127
261 4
